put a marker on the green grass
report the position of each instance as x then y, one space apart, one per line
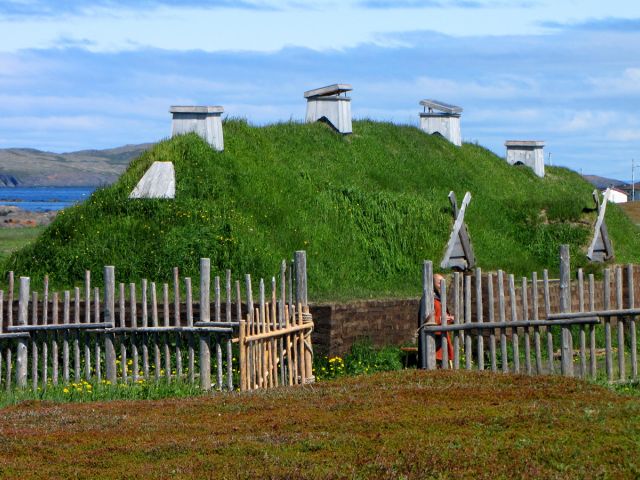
84 391
12 239
367 208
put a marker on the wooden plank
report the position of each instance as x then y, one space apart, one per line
301 277
622 374
166 321
275 352
423 311
227 311
491 317
289 347
468 353
243 356
21 348
250 328
600 249
515 340
525 331
536 316
122 323
632 323
502 317
592 329
456 243
566 349
456 319
134 338
145 323
55 368
281 307
97 347
176 297
45 338
444 345
34 341
155 339
219 369
110 317
547 309
607 324
264 376
205 316
301 358
10 301
479 318
76 339
583 334
71 327
65 340
86 341
190 339
512 324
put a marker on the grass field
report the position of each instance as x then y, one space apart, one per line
367 208
406 424
12 239
633 210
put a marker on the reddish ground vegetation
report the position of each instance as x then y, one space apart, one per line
406 424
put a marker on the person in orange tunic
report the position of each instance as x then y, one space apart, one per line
437 312
437 319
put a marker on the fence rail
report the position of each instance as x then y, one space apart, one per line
108 334
512 331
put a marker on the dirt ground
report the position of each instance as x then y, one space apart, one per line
408 424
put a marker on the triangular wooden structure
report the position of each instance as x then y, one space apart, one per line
459 253
600 249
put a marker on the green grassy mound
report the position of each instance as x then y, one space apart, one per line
367 208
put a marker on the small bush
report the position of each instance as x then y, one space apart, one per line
362 359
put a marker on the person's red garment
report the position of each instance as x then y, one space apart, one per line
437 307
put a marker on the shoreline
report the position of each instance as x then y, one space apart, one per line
16 217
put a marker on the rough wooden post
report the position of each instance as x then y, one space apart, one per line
479 318
427 340
632 323
205 316
110 317
21 351
243 356
301 277
565 306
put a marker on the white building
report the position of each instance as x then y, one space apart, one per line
526 152
618 196
330 104
441 118
203 120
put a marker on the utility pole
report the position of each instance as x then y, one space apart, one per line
633 181
549 160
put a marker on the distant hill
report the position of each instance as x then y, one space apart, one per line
368 208
30 167
604 182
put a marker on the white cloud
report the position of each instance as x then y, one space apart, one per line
627 82
625 135
588 120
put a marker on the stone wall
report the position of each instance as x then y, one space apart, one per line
384 322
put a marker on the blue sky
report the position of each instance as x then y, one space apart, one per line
78 75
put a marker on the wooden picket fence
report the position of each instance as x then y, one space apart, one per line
106 334
521 330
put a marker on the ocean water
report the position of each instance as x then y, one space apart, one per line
42 199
